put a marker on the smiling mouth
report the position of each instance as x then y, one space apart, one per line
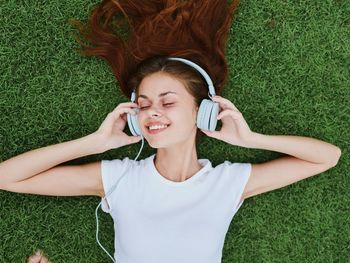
155 131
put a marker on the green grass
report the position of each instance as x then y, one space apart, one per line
289 64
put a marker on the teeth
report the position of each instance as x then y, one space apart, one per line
156 127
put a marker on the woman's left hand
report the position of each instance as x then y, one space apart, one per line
235 129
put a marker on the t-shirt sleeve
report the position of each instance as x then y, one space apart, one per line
238 175
112 172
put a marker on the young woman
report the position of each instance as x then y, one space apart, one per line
171 206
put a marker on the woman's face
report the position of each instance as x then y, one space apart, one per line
164 99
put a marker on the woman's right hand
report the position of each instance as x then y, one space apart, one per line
110 133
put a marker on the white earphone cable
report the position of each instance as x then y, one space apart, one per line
104 198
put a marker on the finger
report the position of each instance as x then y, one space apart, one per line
127 110
225 103
126 104
122 110
114 116
124 118
136 139
118 112
213 134
234 114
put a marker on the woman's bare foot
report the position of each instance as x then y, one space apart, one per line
38 258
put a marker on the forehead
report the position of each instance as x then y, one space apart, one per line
160 84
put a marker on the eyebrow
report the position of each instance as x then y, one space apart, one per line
160 95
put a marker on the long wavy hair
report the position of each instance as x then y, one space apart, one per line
135 37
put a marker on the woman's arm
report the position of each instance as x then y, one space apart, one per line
35 171
305 148
236 131
307 157
29 164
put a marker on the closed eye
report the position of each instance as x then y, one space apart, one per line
166 104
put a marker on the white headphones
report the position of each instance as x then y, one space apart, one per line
208 109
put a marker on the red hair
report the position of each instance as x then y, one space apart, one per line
127 32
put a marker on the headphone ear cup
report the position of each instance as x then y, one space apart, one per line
207 115
133 124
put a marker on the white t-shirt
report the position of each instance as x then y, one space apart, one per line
157 220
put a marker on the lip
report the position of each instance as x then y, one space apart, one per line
157 130
156 123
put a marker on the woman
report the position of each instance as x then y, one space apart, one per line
178 207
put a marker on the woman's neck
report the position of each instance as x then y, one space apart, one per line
177 167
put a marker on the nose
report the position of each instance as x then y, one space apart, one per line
153 110
155 114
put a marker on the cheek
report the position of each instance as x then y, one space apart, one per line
184 119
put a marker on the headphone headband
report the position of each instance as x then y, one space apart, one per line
201 71
198 68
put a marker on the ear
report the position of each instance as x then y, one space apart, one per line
196 114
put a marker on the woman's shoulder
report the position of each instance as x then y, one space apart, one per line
226 162
232 166
126 161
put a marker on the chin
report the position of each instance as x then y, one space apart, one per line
158 144
167 142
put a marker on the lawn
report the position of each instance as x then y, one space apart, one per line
289 74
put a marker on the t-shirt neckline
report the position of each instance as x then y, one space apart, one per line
204 162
